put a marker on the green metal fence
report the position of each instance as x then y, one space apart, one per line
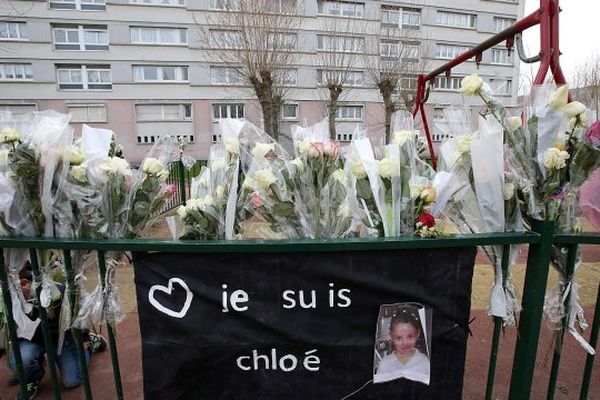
540 240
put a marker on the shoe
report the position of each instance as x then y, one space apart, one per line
97 342
32 390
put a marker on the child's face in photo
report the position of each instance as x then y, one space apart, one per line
404 338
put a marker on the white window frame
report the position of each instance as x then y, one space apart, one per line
347 9
82 5
502 23
14 69
389 48
230 5
501 57
159 3
12 107
88 109
355 110
229 108
81 43
352 78
456 20
232 76
504 83
451 84
225 39
340 44
185 112
19 27
296 108
136 35
180 72
85 71
286 41
447 51
287 76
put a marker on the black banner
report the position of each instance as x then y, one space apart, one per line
295 325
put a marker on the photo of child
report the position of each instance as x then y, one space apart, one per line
402 343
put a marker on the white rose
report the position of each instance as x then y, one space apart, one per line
261 149
232 145
559 98
297 162
344 210
303 147
509 191
401 137
555 158
574 108
358 170
9 135
220 192
114 165
208 201
463 143
182 211
514 123
4 158
339 176
163 175
218 163
73 155
471 85
79 173
389 167
263 179
152 166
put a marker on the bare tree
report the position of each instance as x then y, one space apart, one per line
337 50
403 54
586 83
256 40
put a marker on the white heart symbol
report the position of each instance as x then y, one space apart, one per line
188 298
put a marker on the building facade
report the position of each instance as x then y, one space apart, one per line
146 68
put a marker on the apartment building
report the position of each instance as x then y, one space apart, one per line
146 68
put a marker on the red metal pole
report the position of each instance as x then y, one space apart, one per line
545 42
559 78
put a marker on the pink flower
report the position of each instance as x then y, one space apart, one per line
171 189
256 201
427 220
593 134
316 149
330 149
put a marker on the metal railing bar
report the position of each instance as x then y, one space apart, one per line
13 340
253 246
497 329
71 292
579 238
589 362
111 336
559 335
35 267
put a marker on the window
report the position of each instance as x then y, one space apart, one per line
396 49
222 110
80 37
289 112
500 56
443 83
458 20
20 108
408 83
281 6
221 39
13 30
15 72
225 76
449 51
349 78
224 4
342 8
160 73
340 43
163 112
501 24
343 137
403 17
164 36
282 41
87 112
441 129
85 5
349 113
159 2
286 76
501 86
84 77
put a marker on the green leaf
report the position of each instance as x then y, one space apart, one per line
141 208
284 208
363 189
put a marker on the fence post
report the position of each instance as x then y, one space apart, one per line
181 176
538 261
